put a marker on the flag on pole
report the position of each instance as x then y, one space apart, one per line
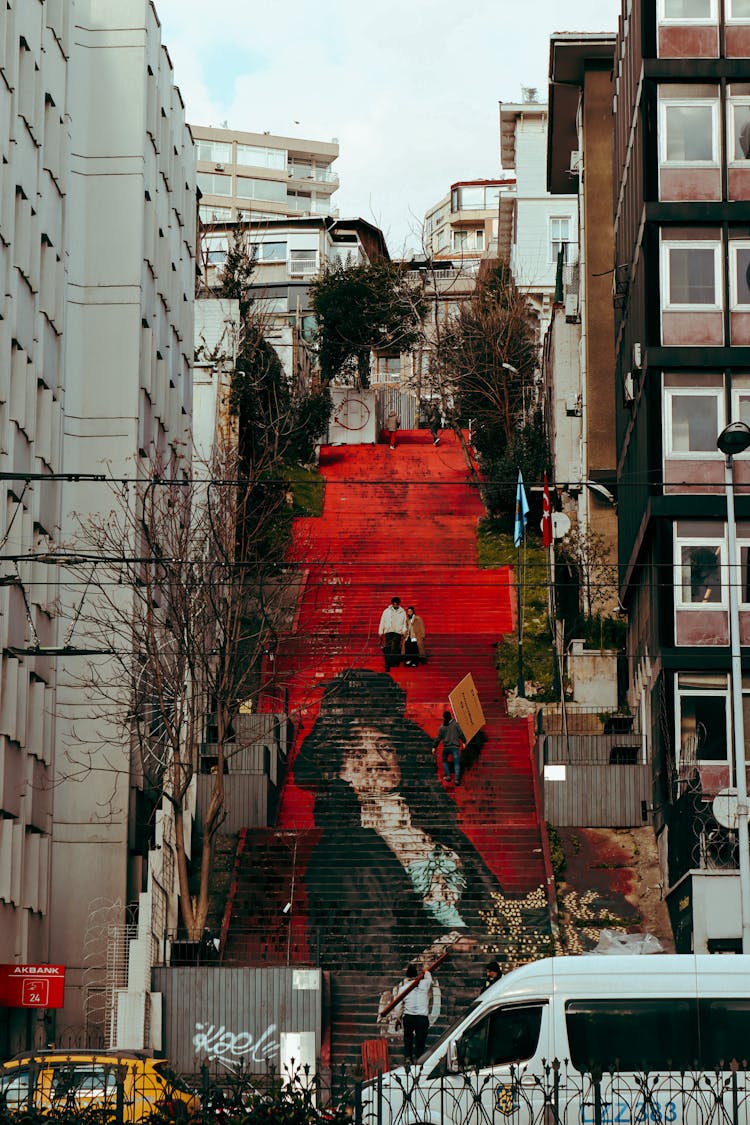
522 511
546 515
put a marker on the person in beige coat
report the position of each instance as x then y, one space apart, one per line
413 644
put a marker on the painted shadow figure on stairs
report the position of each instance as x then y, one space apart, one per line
392 874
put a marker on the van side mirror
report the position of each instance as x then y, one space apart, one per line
451 1058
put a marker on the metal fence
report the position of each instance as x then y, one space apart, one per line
558 1096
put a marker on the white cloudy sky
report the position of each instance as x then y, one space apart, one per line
410 88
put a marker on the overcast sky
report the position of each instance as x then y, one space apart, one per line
409 88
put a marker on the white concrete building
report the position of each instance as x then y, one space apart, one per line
34 49
535 226
97 237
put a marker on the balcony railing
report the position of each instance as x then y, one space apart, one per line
303 266
321 175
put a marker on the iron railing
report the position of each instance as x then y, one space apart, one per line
559 1095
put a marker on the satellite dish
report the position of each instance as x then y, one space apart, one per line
725 808
560 524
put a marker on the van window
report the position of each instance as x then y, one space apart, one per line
503 1037
724 1032
614 1035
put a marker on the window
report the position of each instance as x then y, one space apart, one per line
689 132
14 1088
703 717
299 200
504 1037
688 9
738 121
212 184
699 564
210 214
216 152
248 188
600 1033
739 10
739 274
259 156
693 420
559 232
691 275
272 252
479 239
388 368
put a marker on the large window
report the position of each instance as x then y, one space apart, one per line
689 132
693 420
700 578
703 718
688 9
388 368
258 156
213 184
691 275
217 152
504 1037
248 188
272 252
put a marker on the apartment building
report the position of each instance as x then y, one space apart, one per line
97 256
288 253
578 357
682 329
259 176
534 227
464 224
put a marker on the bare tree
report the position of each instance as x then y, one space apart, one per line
184 591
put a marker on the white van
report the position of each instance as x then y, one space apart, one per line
591 1040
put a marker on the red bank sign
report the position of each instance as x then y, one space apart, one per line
32 986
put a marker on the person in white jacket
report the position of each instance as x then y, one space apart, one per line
415 1011
391 630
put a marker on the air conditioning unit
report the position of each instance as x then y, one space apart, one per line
218 167
637 356
628 387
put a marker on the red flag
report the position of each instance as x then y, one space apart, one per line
546 516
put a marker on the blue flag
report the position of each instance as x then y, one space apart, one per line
522 511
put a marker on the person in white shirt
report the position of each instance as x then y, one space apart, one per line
392 630
414 1011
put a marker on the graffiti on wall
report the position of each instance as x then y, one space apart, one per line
232 1049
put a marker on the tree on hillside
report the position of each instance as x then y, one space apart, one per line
360 309
182 595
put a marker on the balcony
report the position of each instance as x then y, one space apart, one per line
318 175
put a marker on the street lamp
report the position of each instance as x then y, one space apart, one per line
731 441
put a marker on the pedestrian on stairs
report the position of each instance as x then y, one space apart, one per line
392 630
452 738
414 1011
392 424
413 644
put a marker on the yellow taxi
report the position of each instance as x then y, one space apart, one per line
128 1086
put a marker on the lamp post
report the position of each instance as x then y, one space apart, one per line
734 439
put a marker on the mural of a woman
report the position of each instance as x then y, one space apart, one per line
392 878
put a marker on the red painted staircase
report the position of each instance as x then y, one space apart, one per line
381 860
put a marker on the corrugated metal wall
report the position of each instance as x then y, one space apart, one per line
249 801
240 1019
591 781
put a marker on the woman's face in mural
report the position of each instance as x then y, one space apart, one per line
370 764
